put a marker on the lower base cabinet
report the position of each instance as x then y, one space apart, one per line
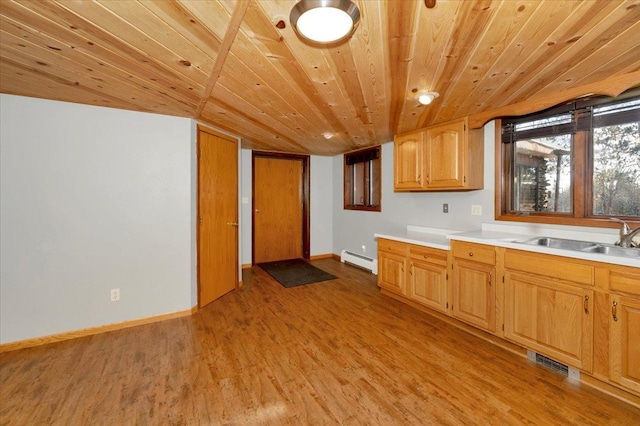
474 294
550 317
544 302
428 277
624 350
392 266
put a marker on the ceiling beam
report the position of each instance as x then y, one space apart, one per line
229 36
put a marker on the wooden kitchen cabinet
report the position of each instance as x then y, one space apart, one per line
473 285
392 265
551 317
624 328
408 168
427 282
549 306
446 157
625 342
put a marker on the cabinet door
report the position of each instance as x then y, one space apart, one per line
474 294
625 342
428 284
552 317
409 161
391 272
444 156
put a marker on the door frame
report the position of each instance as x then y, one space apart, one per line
306 197
200 129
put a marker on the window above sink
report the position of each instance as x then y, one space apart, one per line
575 164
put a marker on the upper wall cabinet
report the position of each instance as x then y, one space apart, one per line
446 157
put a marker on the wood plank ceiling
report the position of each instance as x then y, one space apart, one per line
228 63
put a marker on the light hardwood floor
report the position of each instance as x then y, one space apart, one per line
336 352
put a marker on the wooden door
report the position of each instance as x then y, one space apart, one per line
408 161
474 294
625 344
218 215
551 317
444 152
279 212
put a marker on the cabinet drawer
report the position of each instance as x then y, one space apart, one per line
390 246
550 266
428 254
474 252
626 280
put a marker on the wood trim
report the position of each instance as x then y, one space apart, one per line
306 197
336 257
323 256
612 86
247 266
498 187
609 389
68 335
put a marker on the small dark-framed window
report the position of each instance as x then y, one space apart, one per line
362 179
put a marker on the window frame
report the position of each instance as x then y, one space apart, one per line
373 157
581 178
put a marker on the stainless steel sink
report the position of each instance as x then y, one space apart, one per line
559 243
633 253
583 246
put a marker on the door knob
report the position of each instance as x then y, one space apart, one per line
232 223
257 210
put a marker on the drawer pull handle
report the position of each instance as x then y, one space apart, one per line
470 254
614 310
586 304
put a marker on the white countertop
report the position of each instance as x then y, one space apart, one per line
419 235
440 239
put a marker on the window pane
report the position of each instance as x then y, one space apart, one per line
542 180
359 189
616 170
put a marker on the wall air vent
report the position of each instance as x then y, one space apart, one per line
553 365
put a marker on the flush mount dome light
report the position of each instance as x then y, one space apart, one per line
324 21
425 98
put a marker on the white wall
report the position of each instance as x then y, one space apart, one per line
92 199
321 214
353 229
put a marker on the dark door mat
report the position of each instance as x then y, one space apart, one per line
294 272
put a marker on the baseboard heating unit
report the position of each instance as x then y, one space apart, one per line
357 259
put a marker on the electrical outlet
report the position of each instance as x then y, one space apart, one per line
476 210
115 294
445 208
364 248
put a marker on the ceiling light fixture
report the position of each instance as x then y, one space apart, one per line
324 21
425 98
328 135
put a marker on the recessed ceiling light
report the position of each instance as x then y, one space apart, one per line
328 135
425 98
324 21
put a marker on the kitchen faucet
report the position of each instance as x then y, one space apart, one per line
626 234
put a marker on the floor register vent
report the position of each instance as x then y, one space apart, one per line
553 365
357 259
